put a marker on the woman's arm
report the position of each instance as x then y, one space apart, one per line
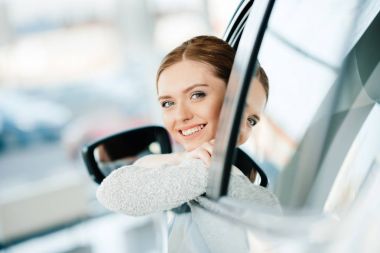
156 182
137 190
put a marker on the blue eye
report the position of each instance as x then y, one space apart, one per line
198 94
252 121
167 104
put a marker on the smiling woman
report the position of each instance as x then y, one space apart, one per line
191 85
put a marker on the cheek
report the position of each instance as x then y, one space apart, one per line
243 136
244 131
167 120
214 110
214 116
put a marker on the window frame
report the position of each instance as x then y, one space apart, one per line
237 89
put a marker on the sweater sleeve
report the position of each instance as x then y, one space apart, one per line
136 190
240 187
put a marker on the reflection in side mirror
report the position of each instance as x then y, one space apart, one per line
112 152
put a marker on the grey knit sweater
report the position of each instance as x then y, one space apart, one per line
136 190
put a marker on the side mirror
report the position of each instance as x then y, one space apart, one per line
107 154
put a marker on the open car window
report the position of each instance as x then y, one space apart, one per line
317 138
306 70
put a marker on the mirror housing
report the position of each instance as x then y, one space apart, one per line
124 148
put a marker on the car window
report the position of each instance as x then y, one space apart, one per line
309 86
317 138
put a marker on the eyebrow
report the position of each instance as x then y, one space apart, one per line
186 90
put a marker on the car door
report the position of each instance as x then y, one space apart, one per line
318 139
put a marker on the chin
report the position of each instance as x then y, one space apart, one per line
194 145
190 147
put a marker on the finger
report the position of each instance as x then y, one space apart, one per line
208 147
199 153
203 155
206 158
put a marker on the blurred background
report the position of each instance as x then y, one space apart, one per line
72 72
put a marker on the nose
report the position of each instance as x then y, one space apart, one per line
183 112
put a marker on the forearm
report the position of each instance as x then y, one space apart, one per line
137 190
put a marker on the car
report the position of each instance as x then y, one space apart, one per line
320 133
25 119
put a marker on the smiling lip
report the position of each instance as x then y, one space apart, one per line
192 131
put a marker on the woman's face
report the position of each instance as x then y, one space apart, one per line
254 107
191 97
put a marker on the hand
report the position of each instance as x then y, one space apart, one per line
203 152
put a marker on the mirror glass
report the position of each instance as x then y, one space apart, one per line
124 148
107 163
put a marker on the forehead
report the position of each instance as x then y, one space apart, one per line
183 74
256 98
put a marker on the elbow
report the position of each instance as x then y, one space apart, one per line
117 194
117 202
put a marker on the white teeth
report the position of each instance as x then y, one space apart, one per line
192 130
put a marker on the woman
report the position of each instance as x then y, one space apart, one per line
191 84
